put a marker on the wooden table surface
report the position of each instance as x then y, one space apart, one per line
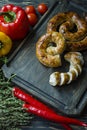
38 123
42 124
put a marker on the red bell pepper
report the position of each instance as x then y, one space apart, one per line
14 21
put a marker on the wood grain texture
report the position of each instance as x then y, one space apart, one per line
33 76
41 124
38 123
23 3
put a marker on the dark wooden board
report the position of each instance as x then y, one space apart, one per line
32 76
41 124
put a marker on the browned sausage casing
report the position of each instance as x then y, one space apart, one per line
72 27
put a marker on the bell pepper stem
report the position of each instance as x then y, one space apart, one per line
8 16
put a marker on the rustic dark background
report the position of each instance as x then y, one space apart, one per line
38 123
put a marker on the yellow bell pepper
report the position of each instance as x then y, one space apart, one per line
5 44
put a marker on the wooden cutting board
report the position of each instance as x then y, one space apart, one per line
32 76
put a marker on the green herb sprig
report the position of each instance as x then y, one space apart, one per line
12 116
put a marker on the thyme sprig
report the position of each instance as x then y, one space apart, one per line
12 116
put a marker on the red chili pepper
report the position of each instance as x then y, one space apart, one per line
29 99
14 21
45 114
51 116
43 110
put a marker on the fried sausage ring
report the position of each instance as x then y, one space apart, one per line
49 48
72 27
77 46
76 62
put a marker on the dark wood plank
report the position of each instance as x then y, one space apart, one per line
34 77
38 123
41 124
